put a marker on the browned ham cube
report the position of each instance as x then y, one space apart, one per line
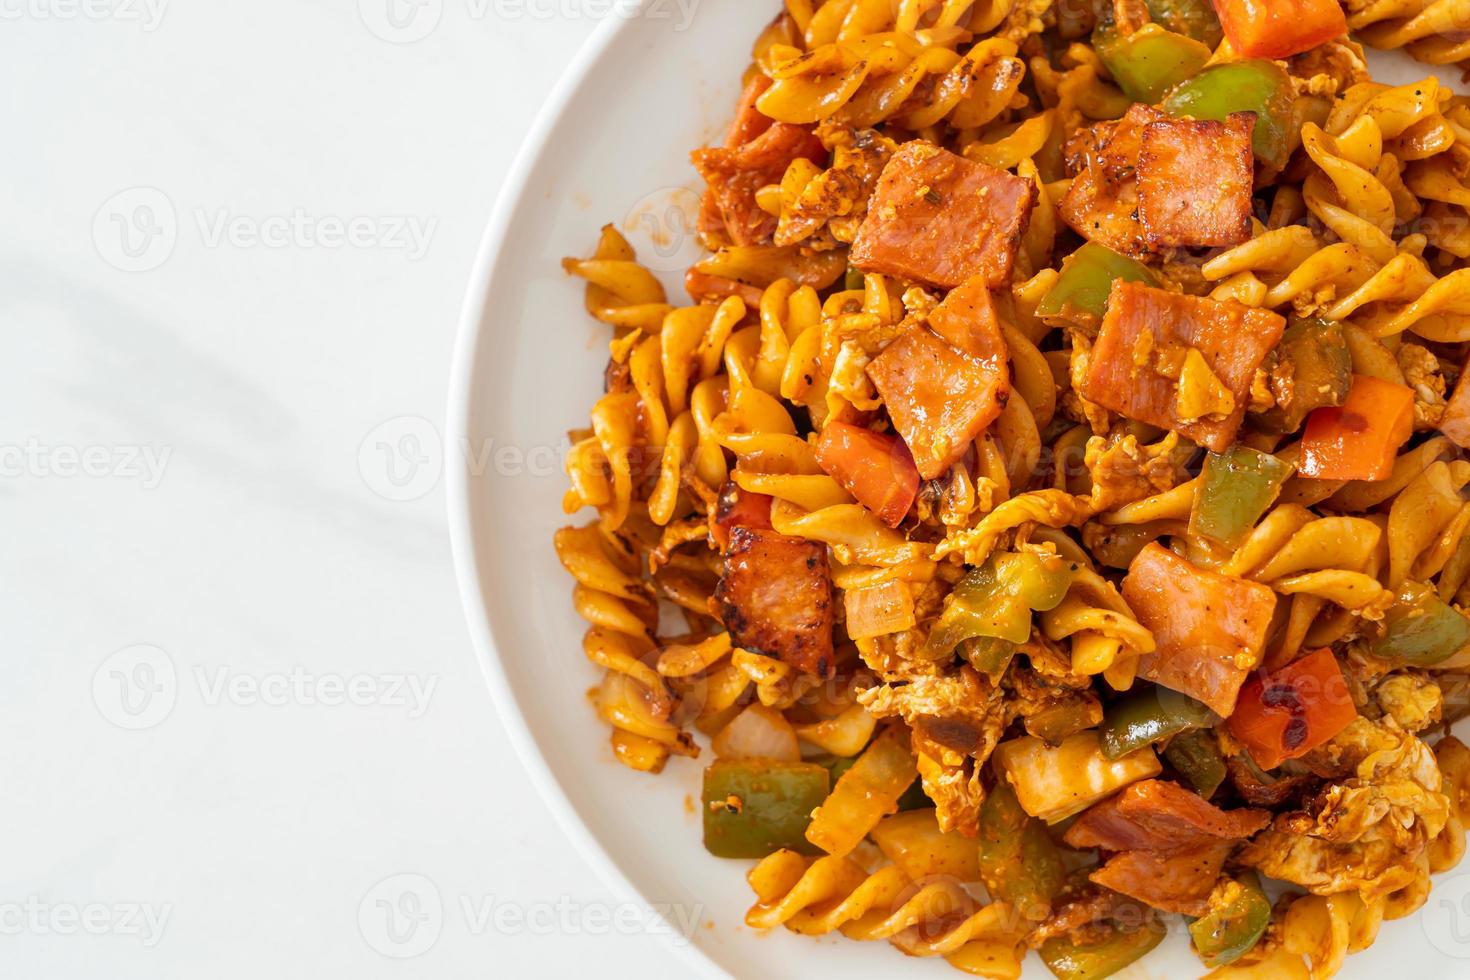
1194 182
943 386
1210 628
1232 338
1102 203
776 598
939 219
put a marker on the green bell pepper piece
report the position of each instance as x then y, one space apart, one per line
1149 62
1421 629
1228 933
1069 960
1192 18
1196 755
989 655
1314 354
1148 717
1019 862
1237 489
997 599
1258 86
1081 291
753 807
852 279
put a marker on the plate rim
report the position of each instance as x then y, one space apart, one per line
474 310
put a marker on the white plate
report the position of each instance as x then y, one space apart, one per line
612 144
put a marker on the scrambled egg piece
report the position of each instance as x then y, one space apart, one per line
1422 372
956 721
1123 471
838 196
1413 700
1364 833
1201 392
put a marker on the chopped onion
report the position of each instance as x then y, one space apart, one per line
879 610
845 735
758 732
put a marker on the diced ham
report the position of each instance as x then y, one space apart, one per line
1171 845
749 123
1157 815
1173 881
757 152
945 382
1102 203
940 219
1194 182
1210 628
968 321
776 598
1124 372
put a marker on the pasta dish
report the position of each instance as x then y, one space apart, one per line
1046 523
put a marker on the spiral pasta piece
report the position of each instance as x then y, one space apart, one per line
816 896
632 698
1106 637
1431 30
620 292
894 78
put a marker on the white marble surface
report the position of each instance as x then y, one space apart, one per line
239 691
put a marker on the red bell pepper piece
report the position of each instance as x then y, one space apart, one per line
877 469
739 508
1285 715
1279 28
1360 439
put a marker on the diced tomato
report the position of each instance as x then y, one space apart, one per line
941 219
1360 439
1287 714
1210 629
1279 28
877 469
739 508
